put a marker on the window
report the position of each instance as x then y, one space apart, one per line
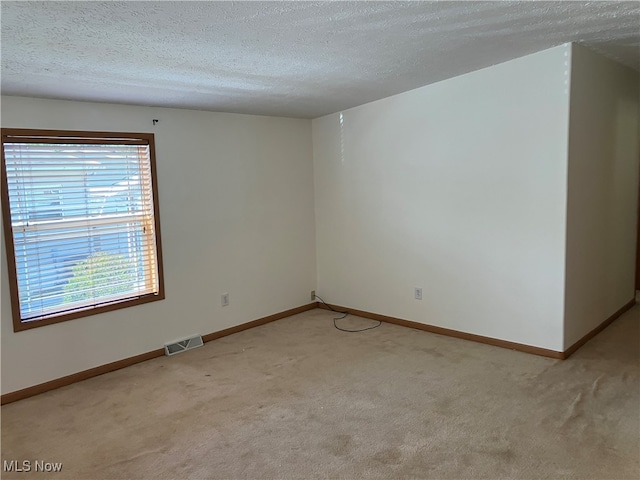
81 223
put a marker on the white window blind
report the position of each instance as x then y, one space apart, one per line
82 221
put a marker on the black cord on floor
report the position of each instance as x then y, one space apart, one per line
344 316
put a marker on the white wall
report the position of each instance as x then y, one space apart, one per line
459 188
603 191
236 209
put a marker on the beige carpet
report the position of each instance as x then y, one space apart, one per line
298 399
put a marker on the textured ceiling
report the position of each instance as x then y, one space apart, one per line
301 59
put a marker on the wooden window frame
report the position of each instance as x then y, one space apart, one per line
85 137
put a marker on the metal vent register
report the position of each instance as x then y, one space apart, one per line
183 345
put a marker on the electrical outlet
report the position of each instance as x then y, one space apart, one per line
313 295
418 293
225 299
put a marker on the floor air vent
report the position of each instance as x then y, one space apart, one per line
183 345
